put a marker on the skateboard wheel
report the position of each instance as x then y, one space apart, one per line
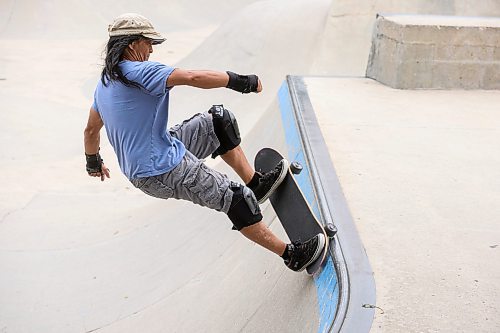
296 168
331 230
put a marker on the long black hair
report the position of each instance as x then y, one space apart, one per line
114 52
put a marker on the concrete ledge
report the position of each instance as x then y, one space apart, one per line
298 149
356 284
435 52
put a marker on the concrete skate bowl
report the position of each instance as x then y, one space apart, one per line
80 256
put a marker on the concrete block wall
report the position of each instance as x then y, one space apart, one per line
435 52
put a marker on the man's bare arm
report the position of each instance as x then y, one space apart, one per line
92 139
203 79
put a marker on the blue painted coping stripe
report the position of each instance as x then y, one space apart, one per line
326 282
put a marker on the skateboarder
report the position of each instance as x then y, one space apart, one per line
131 101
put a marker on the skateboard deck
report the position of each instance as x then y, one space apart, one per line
290 205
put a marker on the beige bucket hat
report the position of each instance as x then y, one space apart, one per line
134 24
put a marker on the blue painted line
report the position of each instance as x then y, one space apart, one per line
327 288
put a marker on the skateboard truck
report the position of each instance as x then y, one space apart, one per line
296 168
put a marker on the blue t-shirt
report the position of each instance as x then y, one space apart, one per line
136 120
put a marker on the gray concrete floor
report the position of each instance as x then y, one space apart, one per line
421 174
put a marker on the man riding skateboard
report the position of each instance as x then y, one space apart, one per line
131 101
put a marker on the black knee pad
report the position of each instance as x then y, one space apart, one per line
244 210
226 129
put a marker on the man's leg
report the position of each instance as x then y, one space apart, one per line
237 160
226 130
262 185
260 234
216 133
245 214
192 180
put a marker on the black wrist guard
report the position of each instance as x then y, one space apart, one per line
94 163
243 83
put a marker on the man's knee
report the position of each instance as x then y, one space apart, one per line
226 129
244 210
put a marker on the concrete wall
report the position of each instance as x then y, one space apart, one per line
436 52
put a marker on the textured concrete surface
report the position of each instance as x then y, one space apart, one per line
420 171
435 52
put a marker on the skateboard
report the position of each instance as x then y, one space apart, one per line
292 208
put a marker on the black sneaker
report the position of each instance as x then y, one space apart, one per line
302 255
269 181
